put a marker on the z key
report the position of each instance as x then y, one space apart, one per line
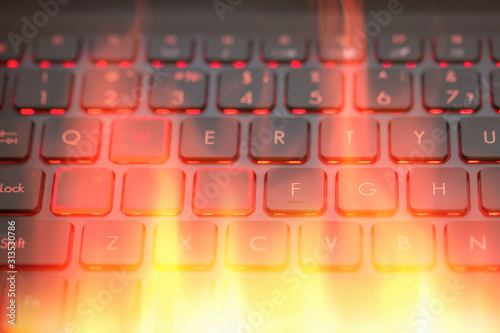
451 90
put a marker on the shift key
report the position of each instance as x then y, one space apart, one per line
21 190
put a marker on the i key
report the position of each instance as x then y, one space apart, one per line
478 139
383 90
42 89
246 90
438 191
279 140
315 89
15 139
228 48
399 47
176 90
295 191
209 140
451 90
140 140
110 90
284 48
170 48
456 47
113 48
21 190
419 140
56 48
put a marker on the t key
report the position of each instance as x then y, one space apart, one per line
246 90
478 139
42 89
383 90
451 90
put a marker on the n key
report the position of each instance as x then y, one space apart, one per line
480 139
383 90
451 90
43 89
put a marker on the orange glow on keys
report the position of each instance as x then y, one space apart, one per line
57 111
94 111
157 64
193 111
162 111
230 111
435 111
330 111
295 64
27 111
101 64
272 64
299 111
239 64
386 64
260 111
181 64
443 64
330 64
411 64
44 64
12 64
68 64
466 111
125 64
468 64
215 64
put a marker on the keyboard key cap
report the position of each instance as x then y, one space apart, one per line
341 48
176 90
82 191
495 89
40 300
110 90
330 245
370 192
489 191
185 245
451 90
354 140
158 191
15 139
418 140
228 48
170 48
112 244
315 89
43 89
495 48
279 140
38 243
140 140
113 48
257 245
71 140
209 140
404 245
222 191
284 48
246 90
456 47
295 191
21 190
117 305
57 48
383 90
438 191
472 245
10 51
399 47
478 139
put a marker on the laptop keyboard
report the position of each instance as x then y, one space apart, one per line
180 183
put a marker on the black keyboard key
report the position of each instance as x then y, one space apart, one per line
383 90
9 50
279 140
43 89
246 90
456 47
419 140
340 48
478 139
438 191
176 90
295 191
56 48
209 140
228 48
495 89
113 48
451 90
399 47
170 48
367 191
110 90
489 191
21 190
15 139
315 89
71 140
495 48
38 243
347 140
284 48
